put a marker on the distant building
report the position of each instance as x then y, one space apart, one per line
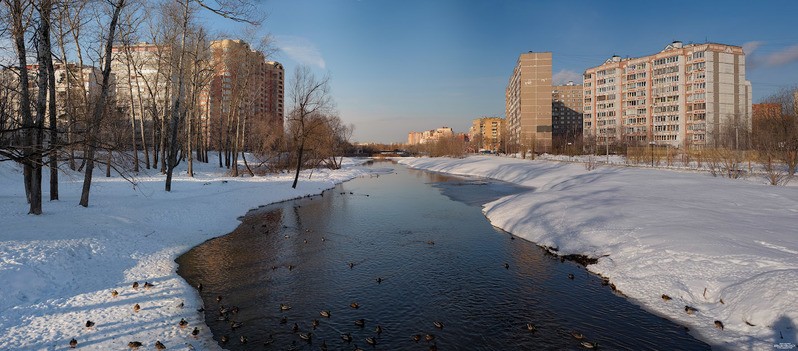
566 112
488 133
243 85
528 103
143 74
685 95
429 136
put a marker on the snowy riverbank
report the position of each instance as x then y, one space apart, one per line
696 238
58 269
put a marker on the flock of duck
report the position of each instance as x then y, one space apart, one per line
73 343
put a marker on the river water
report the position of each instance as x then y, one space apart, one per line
410 248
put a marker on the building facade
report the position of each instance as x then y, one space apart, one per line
143 74
244 86
566 112
488 133
429 136
528 104
692 95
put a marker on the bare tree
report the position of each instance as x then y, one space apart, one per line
310 98
101 102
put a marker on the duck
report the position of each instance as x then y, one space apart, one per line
325 313
589 345
577 335
235 325
73 343
283 320
430 242
719 325
379 280
690 310
323 346
378 329
223 318
429 337
159 345
284 307
134 344
219 299
314 323
114 293
199 287
223 310
351 265
295 328
89 324
136 308
135 285
306 336
195 332
438 324
243 339
531 327
416 337
666 297
571 276
290 267
357 348
433 347
354 305
371 341
346 337
506 265
182 323
360 322
224 339
181 305
148 285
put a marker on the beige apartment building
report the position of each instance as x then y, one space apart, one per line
566 113
143 73
244 86
691 95
429 136
488 132
528 104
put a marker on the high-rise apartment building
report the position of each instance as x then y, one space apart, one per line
528 103
488 133
685 95
244 86
429 136
566 112
143 73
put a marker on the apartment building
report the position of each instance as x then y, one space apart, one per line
143 73
566 112
429 136
686 95
244 86
528 103
488 133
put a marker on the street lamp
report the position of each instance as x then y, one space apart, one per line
652 152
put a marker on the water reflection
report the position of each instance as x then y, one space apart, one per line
409 248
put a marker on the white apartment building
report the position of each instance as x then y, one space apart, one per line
684 96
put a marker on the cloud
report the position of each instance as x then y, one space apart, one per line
564 76
783 57
756 59
300 50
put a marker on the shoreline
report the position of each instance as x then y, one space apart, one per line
61 267
616 216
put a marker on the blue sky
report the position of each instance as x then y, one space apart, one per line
398 66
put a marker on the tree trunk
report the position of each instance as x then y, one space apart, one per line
53 128
99 108
175 121
299 162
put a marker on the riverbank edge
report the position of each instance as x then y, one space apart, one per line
470 166
53 307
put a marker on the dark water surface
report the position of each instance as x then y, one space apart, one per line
438 258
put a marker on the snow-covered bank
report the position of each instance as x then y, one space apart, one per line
728 248
57 270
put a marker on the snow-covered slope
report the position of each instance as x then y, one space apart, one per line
57 270
726 247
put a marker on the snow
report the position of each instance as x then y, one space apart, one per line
654 231
697 238
57 270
